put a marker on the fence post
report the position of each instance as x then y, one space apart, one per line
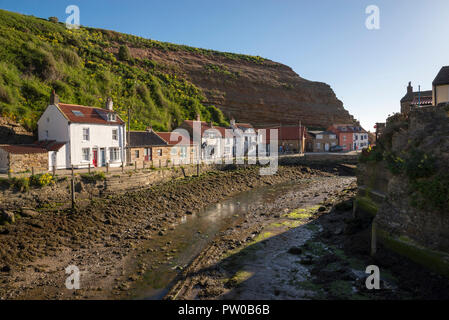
160 163
72 189
107 167
135 166
198 169
373 238
143 164
54 170
123 166
32 171
354 208
89 168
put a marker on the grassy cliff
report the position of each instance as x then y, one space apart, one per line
87 65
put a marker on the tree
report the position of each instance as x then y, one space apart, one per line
124 54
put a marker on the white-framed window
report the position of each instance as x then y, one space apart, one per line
344 138
183 152
86 136
319 136
112 117
136 154
332 136
159 152
318 145
114 134
114 154
86 154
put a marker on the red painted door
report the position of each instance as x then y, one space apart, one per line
95 158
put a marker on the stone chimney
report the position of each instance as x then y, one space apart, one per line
149 129
211 124
109 104
232 122
198 117
409 88
54 99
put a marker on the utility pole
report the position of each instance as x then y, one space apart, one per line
128 153
300 138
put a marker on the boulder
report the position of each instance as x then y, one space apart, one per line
7 216
26 212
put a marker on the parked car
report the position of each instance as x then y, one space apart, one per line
336 149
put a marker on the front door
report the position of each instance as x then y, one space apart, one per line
147 154
95 157
103 157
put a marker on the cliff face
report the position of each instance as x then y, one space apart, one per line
262 93
162 83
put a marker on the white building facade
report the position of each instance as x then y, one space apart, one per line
92 136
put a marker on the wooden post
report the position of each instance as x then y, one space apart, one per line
32 171
135 166
354 208
198 169
54 170
89 168
107 167
183 171
72 189
373 238
123 166
160 163
143 164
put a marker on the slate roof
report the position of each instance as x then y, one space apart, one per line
425 95
442 77
144 139
89 114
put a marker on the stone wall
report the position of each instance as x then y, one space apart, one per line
24 162
403 223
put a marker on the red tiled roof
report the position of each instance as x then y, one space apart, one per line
205 126
176 138
244 125
90 114
23 149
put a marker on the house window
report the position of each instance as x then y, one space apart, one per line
111 117
86 154
318 145
136 154
159 152
183 152
114 134
85 134
344 138
46 134
319 136
114 154
48 119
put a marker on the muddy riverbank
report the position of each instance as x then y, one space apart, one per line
106 239
304 248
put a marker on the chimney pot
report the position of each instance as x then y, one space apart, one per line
109 104
232 122
198 117
149 129
54 99
410 88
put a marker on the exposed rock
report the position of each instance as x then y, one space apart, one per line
7 215
29 213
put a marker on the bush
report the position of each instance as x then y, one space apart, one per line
124 54
371 154
434 193
20 184
41 180
53 19
93 176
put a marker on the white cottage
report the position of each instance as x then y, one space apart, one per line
91 135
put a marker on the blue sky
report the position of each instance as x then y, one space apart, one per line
323 40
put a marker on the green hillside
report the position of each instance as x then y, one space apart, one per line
37 55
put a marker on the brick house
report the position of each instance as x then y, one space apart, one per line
291 139
321 141
160 148
415 98
344 134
